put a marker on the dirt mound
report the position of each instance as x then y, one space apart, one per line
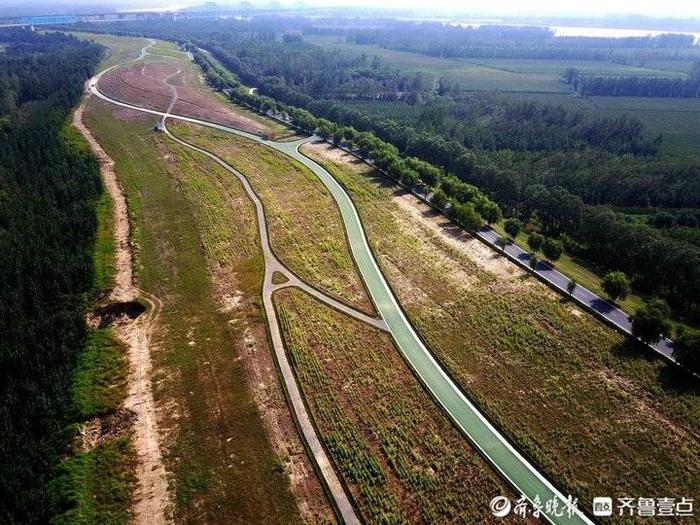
99 429
115 314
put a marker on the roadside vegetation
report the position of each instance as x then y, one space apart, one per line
186 227
593 410
306 230
401 457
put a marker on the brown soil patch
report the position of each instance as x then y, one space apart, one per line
144 84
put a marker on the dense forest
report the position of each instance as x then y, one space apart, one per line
634 86
554 169
48 183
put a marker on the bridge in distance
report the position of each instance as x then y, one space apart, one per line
42 20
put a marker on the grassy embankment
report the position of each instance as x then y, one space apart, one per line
596 413
399 454
304 223
94 483
183 230
118 49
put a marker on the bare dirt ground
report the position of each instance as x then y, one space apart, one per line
144 84
151 500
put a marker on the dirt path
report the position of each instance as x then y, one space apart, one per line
150 500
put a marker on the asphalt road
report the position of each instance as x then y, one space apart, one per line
603 307
493 445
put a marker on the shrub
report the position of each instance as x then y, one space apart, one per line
552 249
616 285
650 321
534 241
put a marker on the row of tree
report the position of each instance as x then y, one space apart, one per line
635 86
49 181
491 41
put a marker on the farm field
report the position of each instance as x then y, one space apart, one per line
597 414
146 83
399 454
539 81
191 227
308 238
507 75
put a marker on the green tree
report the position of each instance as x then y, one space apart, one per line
650 321
533 260
571 286
502 242
552 249
513 227
686 350
534 241
616 285
467 216
439 199
490 212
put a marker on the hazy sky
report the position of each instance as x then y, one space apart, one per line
674 8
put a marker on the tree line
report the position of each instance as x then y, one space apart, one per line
49 181
493 41
635 86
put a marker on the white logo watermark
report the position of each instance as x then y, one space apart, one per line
502 506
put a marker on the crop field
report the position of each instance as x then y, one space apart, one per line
677 119
190 228
597 414
146 83
506 75
539 81
399 454
587 67
306 231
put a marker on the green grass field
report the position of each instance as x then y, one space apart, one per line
539 81
597 414
119 49
401 457
180 230
306 231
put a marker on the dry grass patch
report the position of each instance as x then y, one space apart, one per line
306 230
223 466
398 453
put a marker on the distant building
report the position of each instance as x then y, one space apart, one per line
159 126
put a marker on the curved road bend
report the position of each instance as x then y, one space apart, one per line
524 477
